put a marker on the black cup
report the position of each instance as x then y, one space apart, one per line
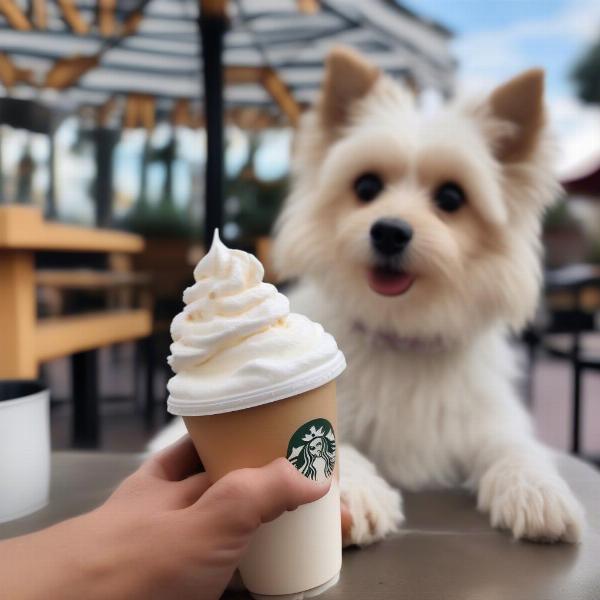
15 389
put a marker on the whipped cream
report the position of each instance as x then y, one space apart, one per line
236 344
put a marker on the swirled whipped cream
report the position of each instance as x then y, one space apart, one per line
236 344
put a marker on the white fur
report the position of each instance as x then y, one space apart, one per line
445 413
433 420
376 508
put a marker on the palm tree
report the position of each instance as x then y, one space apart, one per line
586 75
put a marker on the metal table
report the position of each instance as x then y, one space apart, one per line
447 550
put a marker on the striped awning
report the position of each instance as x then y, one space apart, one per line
160 54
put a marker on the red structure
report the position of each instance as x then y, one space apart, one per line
587 185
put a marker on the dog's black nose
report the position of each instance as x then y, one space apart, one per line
390 236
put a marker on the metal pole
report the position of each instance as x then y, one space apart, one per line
51 197
105 140
577 375
212 29
2 198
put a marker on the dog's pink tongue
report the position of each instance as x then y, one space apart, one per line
389 283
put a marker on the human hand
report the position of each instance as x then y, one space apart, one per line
165 532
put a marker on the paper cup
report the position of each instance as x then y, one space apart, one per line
300 553
24 448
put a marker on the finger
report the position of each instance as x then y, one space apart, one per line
174 463
346 524
191 489
243 499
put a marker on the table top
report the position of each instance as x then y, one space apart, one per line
446 551
23 228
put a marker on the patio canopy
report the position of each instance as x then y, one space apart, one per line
136 60
151 48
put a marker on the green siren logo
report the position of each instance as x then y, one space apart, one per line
312 449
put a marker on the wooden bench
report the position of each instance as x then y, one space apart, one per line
27 340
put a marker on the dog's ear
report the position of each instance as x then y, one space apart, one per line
519 103
348 77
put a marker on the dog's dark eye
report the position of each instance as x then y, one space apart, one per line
368 186
449 197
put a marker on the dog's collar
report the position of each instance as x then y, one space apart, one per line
393 341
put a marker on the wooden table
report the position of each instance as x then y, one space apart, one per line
28 341
447 550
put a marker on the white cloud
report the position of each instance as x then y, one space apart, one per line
490 56
577 128
486 58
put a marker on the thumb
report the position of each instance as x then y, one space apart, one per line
242 500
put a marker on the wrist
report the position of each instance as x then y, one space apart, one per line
109 558
52 563
86 559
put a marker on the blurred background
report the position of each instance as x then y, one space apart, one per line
128 129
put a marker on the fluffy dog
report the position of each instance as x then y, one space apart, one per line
417 244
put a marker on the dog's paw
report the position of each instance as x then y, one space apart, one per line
374 507
534 504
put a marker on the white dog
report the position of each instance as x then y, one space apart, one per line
417 244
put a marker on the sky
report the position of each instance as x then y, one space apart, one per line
495 39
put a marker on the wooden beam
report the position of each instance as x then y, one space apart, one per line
22 227
10 74
63 336
39 14
26 76
140 111
17 316
105 111
236 75
130 115
184 115
197 120
148 112
214 8
107 23
282 95
14 15
252 118
131 24
180 116
270 80
73 17
67 71
308 7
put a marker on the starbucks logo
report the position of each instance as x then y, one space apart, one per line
312 449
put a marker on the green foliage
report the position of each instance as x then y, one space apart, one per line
259 203
256 203
165 219
594 255
586 75
559 216
162 220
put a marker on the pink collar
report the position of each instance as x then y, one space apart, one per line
393 341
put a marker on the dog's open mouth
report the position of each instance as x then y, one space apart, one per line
389 282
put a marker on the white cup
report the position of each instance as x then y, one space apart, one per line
24 448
